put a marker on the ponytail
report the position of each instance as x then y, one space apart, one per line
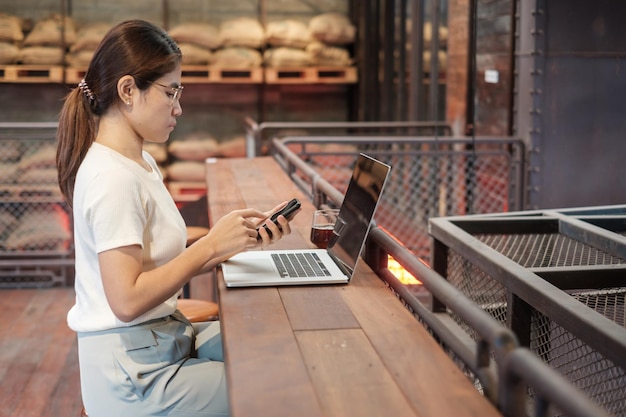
75 134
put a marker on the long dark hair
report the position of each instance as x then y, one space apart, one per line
135 47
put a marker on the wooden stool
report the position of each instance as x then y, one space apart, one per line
198 310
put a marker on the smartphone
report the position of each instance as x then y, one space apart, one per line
287 211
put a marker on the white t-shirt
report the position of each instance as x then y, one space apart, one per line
118 203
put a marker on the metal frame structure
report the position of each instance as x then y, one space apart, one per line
494 359
556 279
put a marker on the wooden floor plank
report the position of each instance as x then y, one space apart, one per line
38 354
36 395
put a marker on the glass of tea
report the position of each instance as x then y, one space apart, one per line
322 226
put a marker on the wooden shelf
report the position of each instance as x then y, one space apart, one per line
209 74
311 75
193 74
31 73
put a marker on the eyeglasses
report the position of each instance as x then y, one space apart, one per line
174 92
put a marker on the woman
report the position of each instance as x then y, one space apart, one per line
138 355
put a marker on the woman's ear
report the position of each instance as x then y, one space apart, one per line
125 87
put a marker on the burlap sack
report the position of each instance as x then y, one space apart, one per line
237 58
7 222
186 171
10 28
41 230
326 55
8 53
233 147
80 59
44 157
200 34
288 32
11 150
443 61
285 56
428 34
195 55
39 176
49 32
89 37
8 172
196 149
41 55
332 28
156 150
242 31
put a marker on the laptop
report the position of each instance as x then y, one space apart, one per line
334 265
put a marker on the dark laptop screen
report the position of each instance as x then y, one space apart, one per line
357 211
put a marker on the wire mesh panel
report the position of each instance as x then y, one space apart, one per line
35 233
430 177
582 260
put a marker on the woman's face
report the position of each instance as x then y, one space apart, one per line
160 106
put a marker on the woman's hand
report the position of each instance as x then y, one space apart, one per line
277 231
233 233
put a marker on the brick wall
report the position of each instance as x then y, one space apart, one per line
493 53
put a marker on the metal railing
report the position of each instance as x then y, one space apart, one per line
430 176
35 224
259 135
490 354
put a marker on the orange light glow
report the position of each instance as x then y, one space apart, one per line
402 274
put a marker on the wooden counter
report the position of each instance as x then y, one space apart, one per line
342 350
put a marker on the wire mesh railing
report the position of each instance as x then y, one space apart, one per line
430 177
35 227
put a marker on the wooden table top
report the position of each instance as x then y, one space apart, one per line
338 350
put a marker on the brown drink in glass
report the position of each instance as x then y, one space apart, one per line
322 227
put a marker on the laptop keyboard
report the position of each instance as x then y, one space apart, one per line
294 265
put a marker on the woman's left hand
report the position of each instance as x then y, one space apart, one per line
277 231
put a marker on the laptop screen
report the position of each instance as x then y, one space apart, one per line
357 211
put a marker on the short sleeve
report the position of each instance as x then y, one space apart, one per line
116 210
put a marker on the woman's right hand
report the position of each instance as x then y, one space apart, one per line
233 233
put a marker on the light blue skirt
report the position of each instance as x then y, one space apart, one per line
165 367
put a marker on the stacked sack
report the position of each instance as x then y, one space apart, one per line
46 43
320 42
189 154
87 40
241 39
235 43
11 37
30 168
197 41
442 34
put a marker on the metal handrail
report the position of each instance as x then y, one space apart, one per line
522 365
255 132
444 146
492 333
